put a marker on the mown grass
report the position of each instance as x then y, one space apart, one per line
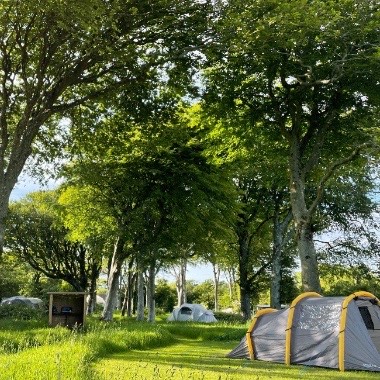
126 349
201 360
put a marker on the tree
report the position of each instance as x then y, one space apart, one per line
339 279
261 186
153 182
56 55
49 251
311 82
165 296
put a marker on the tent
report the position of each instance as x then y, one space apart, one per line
331 332
32 302
192 312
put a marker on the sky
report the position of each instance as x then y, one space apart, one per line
27 185
198 273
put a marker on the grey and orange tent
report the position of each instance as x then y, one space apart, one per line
331 332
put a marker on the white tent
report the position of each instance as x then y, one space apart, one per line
192 312
26 301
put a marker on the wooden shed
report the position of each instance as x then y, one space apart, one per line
67 308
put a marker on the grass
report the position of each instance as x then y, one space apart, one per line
205 360
125 349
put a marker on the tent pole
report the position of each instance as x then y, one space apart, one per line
250 343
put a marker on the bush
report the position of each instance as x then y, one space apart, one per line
207 331
20 312
230 318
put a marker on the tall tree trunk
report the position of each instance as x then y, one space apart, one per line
279 232
128 294
245 288
95 270
308 258
113 279
303 219
5 192
151 292
216 273
140 293
125 301
181 283
231 280
275 299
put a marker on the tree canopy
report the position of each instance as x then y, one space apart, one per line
56 55
308 72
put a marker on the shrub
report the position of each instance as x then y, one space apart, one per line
20 312
228 317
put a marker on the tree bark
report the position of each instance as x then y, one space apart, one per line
216 273
308 258
302 219
151 292
4 201
279 232
95 270
181 283
113 279
245 289
140 295
128 294
231 280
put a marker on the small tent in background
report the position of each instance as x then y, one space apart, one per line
332 332
192 312
32 302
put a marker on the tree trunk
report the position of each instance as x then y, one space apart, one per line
275 300
140 295
181 283
245 289
245 304
216 273
151 292
303 219
95 271
231 280
5 192
113 280
125 301
128 294
308 258
279 239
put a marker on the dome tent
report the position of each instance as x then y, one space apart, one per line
32 302
192 312
331 332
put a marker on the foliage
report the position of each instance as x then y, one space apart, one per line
166 174
18 278
12 276
229 318
339 280
310 85
202 293
165 296
49 251
21 312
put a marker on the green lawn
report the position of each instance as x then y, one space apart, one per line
205 360
126 349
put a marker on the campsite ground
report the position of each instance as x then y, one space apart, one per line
126 349
205 360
